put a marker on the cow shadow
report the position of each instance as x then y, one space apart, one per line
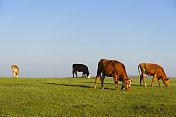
99 85
70 85
103 83
119 85
83 86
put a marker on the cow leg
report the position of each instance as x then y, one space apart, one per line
96 81
153 79
102 81
97 77
143 77
17 74
159 82
83 75
76 73
14 74
122 86
116 83
73 73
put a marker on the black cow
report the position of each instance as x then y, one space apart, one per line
81 68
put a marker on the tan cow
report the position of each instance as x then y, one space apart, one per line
113 68
15 71
152 70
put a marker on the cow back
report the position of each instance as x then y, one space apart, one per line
112 67
152 69
80 68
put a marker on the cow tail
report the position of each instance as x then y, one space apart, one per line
139 70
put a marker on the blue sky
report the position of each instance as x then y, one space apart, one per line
45 37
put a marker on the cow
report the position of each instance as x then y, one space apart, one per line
15 71
154 70
81 68
115 69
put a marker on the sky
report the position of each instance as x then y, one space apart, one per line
45 37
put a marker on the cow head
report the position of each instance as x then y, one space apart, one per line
88 76
12 66
166 82
127 84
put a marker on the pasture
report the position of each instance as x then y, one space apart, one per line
74 97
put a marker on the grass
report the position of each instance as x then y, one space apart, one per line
74 97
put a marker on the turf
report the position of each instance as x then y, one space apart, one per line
74 97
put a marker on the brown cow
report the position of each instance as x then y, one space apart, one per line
113 68
15 71
152 70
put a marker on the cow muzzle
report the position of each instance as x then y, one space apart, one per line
88 76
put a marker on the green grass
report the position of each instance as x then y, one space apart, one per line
26 97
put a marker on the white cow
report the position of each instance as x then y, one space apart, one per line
15 71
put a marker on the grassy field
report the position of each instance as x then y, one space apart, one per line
26 97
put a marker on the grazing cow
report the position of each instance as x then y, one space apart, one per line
113 68
81 68
15 71
152 70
